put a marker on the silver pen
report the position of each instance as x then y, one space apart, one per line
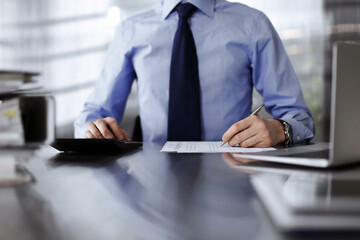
256 111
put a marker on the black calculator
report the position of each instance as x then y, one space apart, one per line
94 145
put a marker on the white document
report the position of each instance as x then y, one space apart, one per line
207 147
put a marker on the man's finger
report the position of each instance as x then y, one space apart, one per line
94 130
103 128
125 135
88 134
114 127
240 137
235 128
251 142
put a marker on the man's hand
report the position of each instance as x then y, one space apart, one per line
255 131
106 128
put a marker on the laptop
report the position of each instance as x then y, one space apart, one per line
344 145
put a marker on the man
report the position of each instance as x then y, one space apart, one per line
237 49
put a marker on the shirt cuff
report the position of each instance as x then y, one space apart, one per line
79 131
300 132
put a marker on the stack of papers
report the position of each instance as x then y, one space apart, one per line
11 81
208 147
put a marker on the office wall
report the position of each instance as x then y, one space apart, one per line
67 40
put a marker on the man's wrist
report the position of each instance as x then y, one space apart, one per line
287 132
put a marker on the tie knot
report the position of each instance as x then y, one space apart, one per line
185 10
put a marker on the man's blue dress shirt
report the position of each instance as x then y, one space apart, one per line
237 48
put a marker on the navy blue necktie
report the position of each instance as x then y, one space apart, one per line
184 120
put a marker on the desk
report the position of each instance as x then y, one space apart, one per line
143 194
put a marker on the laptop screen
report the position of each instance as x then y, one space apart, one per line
345 112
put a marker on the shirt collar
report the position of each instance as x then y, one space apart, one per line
206 6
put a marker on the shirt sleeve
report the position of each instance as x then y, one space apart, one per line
113 86
275 79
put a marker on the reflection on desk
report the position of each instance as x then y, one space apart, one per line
141 195
138 195
305 199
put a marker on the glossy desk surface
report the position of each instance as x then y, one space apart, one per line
142 194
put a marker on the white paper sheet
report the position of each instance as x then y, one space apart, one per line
207 147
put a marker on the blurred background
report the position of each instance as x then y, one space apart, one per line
67 40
